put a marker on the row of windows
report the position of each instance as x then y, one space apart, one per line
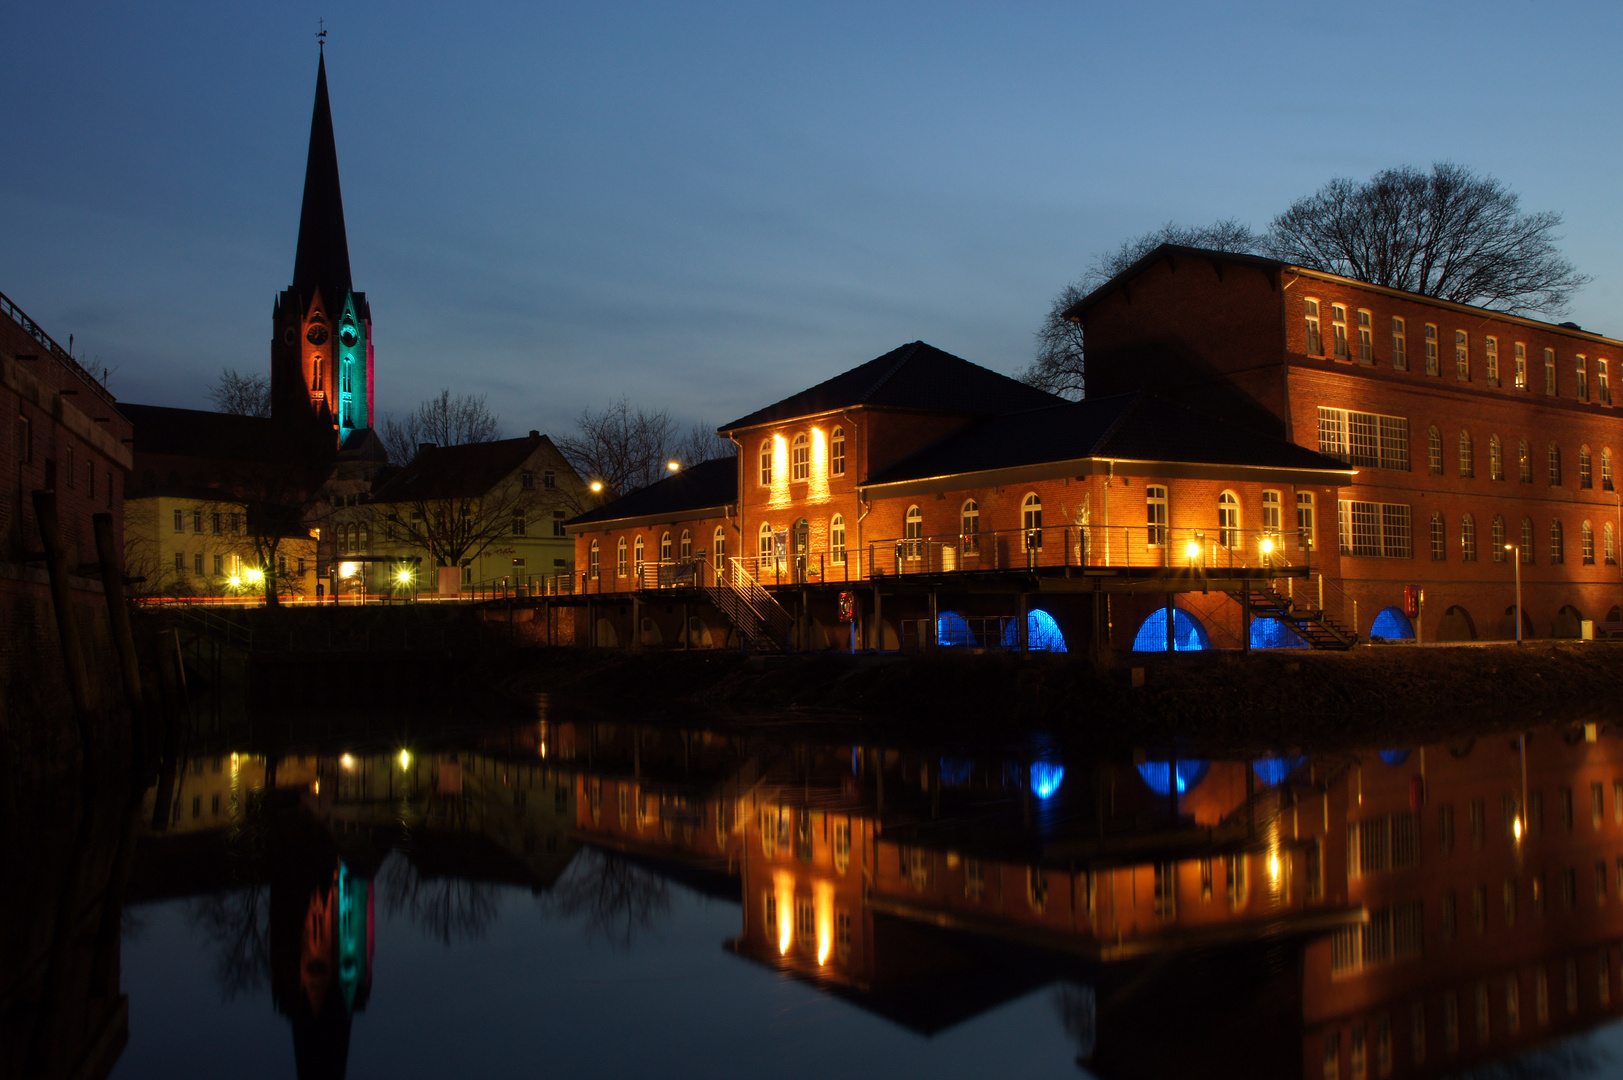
227 565
25 456
800 456
217 522
1511 817
1343 347
1527 544
681 548
1524 461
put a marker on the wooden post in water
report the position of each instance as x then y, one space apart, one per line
118 616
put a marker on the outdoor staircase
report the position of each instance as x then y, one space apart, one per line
1312 625
762 622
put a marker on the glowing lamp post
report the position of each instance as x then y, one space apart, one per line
1516 555
1267 546
596 486
674 466
1193 550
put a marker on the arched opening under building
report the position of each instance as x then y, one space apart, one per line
1394 757
1568 623
952 629
1042 633
1456 625
1507 625
1616 614
1273 770
606 637
1269 633
1391 624
1188 635
1158 775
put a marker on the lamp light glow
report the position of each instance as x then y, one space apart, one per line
596 485
405 759
1267 546
1516 828
346 761
674 466
1193 549
255 575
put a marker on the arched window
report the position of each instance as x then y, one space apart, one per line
1586 469
800 458
1606 469
1031 520
1439 541
912 531
766 542
836 452
718 542
687 544
665 547
1555 465
766 463
969 527
591 560
1155 513
1608 544
1434 451
1589 544
638 551
1558 543
1498 538
836 539
1228 520
1496 458
1527 539
1467 538
363 543
1270 513
1524 458
1305 520
1188 634
1467 465
620 558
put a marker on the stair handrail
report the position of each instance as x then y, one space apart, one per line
765 607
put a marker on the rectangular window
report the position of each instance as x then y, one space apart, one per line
1445 827
1366 338
1315 343
1271 512
836 453
1155 507
526 480
1462 356
1305 523
1364 438
1450 915
1597 804
214 524
558 519
1391 934
180 562
219 566
518 524
1603 382
1390 842
1566 809
1521 365
1479 822
1549 372
1432 363
1491 347
197 563
180 522
1375 529
1400 345
1338 328
1581 366
1510 901
25 441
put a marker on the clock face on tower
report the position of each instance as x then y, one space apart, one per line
316 334
348 335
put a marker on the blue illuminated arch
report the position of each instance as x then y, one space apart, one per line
1394 757
1392 624
1045 778
1042 633
955 772
1270 633
951 629
1188 635
1273 770
1156 775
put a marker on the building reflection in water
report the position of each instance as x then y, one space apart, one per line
1398 912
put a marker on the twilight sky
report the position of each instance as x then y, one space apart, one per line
710 208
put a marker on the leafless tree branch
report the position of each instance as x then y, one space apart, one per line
242 395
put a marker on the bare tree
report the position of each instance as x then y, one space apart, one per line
447 420
615 897
237 923
455 503
448 909
241 395
701 443
623 447
1450 233
1057 366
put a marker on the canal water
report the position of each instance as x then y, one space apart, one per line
760 896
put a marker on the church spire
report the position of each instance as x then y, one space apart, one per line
322 260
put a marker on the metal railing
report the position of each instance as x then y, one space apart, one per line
33 330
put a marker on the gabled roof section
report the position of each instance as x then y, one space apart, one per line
1128 427
915 376
322 260
1170 252
704 486
457 472
196 433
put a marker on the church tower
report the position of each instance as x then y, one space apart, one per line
321 354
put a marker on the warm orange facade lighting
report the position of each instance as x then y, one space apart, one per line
783 885
817 488
823 900
780 471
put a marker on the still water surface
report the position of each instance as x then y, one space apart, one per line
730 900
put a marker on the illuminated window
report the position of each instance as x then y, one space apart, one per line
1366 338
1338 329
1581 366
766 542
836 453
638 550
1524 462
1400 345
1228 520
1431 349
912 531
836 539
1608 544
1588 540
1439 540
1306 520
1555 465
1467 466
1606 469
1558 543
1496 458
180 522
718 545
1603 382
1271 513
1031 520
1315 343
687 544
1462 356
1586 468
1434 451
1521 365
969 527
842 845
800 458
766 463
1549 372
1155 505
1498 534
592 561
1527 539
1491 347
620 558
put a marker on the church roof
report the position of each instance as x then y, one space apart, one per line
322 261
915 376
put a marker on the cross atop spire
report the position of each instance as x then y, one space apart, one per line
322 259
321 35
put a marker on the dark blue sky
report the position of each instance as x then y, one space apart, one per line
710 208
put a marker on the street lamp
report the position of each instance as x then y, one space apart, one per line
1516 554
596 485
1193 551
1267 546
674 466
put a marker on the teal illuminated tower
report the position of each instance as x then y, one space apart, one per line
321 354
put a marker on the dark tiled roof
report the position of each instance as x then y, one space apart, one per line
1135 427
916 376
450 472
707 484
159 429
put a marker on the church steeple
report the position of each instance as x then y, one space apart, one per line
321 355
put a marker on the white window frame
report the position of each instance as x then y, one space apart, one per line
1433 362
1581 376
1272 509
836 452
1400 344
1338 331
1307 520
1156 516
620 558
1491 345
1521 365
1315 336
836 540
1550 382
1229 533
800 458
1031 522
1366 336
765 474
969 527
1462 356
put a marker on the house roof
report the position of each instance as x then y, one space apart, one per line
449 472
159 429
1170 251
1130 427
703 486
915 376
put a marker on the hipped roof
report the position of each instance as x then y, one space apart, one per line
704 486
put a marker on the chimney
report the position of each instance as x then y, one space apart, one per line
425 447
534 434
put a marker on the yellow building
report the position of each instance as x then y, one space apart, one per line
199 544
